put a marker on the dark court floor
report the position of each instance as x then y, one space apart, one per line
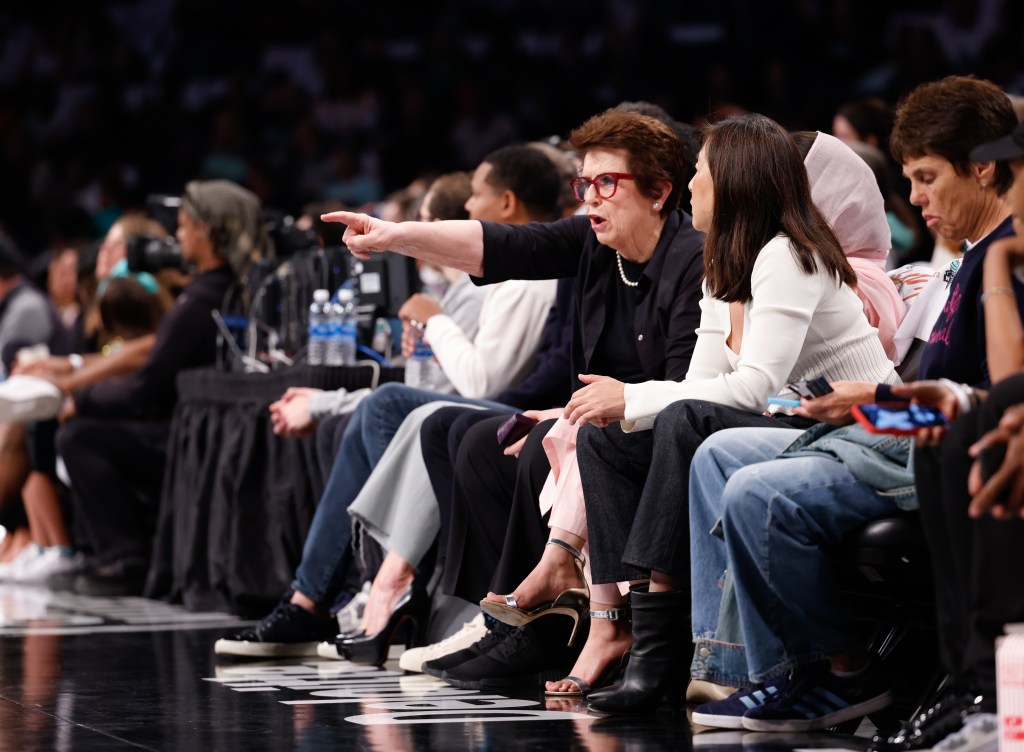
81 673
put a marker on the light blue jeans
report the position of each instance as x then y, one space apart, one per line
775 516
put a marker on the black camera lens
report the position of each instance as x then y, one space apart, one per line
146 253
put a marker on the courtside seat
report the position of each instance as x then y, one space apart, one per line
885 574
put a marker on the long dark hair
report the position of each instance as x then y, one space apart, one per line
760 190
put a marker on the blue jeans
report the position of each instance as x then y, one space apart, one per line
776 515
373 424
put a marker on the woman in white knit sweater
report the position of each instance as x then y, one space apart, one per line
778 307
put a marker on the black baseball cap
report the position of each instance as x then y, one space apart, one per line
1008 147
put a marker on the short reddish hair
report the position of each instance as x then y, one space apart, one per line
653 150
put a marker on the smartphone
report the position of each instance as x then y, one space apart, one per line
899 418
515 428
783 402
811 388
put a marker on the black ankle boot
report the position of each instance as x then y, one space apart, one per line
660 631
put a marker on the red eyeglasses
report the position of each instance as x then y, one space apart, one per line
605 184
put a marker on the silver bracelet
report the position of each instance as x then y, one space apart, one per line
996 291
965 395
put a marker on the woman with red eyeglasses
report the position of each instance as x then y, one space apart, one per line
778 307
638 267
785 291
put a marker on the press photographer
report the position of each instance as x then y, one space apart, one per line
114 446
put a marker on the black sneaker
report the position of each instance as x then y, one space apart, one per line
728 713
817 699
496 634
119 579
520 660
288 630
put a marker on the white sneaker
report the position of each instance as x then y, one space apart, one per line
471 632
25 399
329 650
12 569
51 561
979 734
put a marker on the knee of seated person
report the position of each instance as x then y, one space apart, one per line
589 435
683 411
383 393
374 405
534 442
706 453
743 496
480 439
435 426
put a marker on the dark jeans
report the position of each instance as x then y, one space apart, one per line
976 563
497 532
116 469
636 487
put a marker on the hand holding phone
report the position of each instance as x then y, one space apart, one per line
783 402
515 428
811 388
899 418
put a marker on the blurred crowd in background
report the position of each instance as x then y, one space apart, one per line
102 103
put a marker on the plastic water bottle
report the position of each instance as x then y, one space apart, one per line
421 370
382 337
319 328
341 346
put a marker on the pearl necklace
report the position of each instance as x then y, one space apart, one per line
622 272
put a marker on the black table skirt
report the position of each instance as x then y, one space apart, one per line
237 500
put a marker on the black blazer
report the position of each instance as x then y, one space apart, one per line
668 310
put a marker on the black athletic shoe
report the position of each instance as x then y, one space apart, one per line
520 660
496 634
288 630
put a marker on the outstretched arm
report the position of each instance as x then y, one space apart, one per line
455 243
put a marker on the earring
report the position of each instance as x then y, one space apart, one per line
984 184
656 205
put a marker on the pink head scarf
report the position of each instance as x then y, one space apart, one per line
846 193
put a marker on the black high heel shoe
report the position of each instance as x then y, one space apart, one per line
412 610
573 602
655 666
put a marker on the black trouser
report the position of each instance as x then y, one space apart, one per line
497 534
976 563
116 469
441 435
636 488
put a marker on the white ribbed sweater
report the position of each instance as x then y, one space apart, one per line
797 326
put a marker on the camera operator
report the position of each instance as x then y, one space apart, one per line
114 445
